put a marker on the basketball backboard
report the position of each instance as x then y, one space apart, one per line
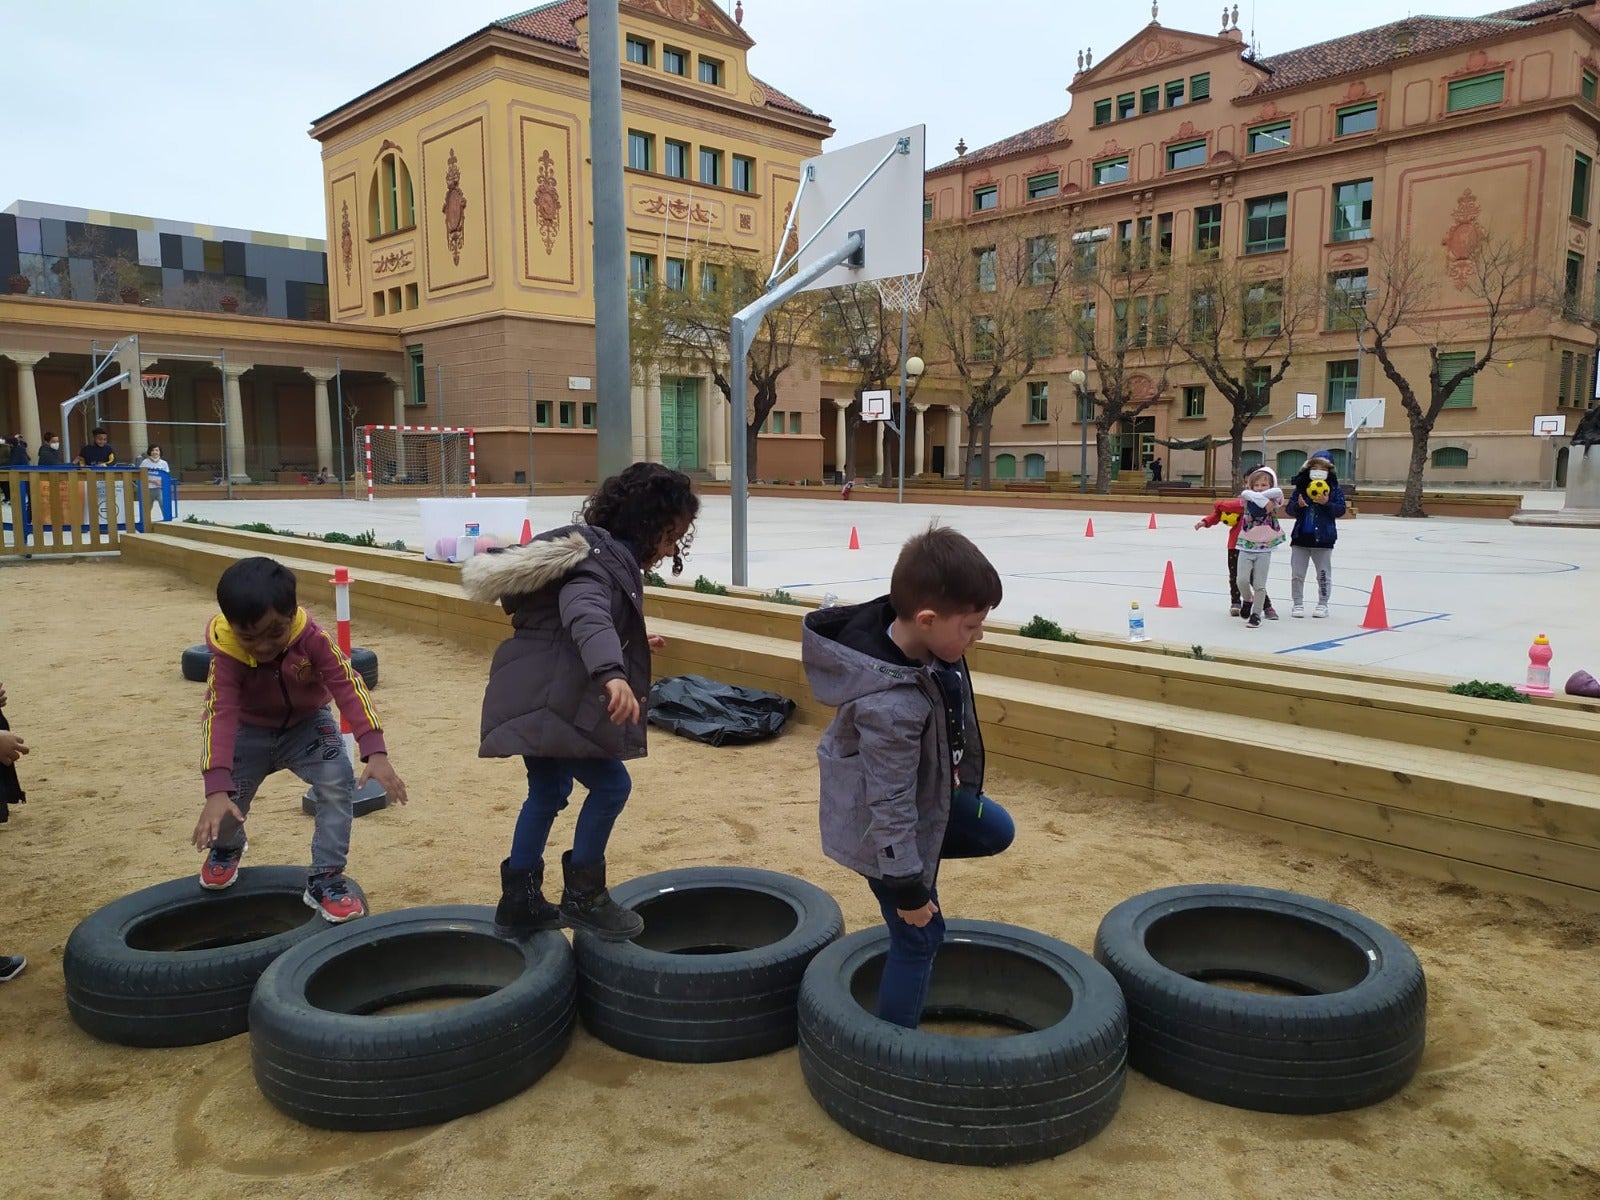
1364 414
888 206
1555 426
875 405
1305 405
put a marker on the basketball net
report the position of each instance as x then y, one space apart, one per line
903 293
154 386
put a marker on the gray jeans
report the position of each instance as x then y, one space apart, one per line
313 750
1252 579
1319 556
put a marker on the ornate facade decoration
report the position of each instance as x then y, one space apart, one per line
1271 112
547 202
1356 91
395 260
677 208
1151 50
347 241
389 145
1463 238
1477 63
455 210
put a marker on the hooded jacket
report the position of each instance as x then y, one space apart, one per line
1259 531
1234 506
886 766
1315 525
275 695
575 596
49 456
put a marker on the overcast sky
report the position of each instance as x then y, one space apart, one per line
197 110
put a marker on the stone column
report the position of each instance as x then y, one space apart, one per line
138 425
879 428
321 376
952 442
399 400
640 406
28 401
841 421
717 413
917 445
233 414
653 450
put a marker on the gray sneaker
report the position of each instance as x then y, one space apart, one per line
11 965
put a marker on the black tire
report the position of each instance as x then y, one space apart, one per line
196 664
369 799
322 1059
715 975
979 1101
174 964
1352 1036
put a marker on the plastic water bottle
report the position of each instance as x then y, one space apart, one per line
829 600
466 547
1136 623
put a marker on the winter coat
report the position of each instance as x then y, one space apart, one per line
1234 506
1315 525
885 759
575 596
49 456
19 454
310 672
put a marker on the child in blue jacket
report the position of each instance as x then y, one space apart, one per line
1316 510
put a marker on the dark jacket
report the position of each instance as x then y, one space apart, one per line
19 454
1315 525
49 456
575 596
885 759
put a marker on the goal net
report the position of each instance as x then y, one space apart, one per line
420 460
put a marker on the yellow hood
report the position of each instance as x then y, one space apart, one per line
221 637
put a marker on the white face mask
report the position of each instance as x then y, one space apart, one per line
1319 474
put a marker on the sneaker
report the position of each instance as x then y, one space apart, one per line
331 896
1255 622
1271 614
221 867
1320 611
1233 610
1299 610
11 965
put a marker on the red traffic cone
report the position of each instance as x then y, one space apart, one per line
855 541
1152 520
1088 530
1377 614
527 532
1169 589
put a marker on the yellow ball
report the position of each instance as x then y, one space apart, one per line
1230 518
1318 490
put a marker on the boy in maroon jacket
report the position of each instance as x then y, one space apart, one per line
273 672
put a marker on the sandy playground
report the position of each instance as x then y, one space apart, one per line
1506 1103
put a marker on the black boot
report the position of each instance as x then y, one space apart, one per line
523 909
586 904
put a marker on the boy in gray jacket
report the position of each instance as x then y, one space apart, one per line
902 761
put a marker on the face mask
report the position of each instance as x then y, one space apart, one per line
1319 474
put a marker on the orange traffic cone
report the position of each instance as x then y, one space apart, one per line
1088 530
855 541
1152 520
1169 589
1377 614
527 531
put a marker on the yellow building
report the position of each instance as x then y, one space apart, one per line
458 199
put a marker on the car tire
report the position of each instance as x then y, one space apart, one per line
1352 1035
196 664
322 1054
978 1101
174 964
715 976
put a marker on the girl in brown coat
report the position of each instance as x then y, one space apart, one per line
565 689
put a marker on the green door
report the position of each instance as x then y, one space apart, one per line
680 422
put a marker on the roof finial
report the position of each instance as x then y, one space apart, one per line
1080 62
1224 18
1155 9
1088 57
1236 16
738 13
961 148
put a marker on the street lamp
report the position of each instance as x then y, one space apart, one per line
910 368
1085 237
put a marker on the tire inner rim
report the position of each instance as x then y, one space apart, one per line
420 966
220 920
1305 957
720 920
976 982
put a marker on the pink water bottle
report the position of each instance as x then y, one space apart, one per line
1539 656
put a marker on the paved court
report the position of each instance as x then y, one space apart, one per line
1465 597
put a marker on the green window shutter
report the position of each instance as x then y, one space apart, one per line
1481 89
1200 87
1449 364
1450 456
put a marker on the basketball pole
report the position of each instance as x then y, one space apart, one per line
613 367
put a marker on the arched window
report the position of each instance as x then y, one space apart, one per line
1033 466
1290 461
1341 462
1005 466
1450 456
390 203
1250 460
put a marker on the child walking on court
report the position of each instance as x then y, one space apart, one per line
1227 512
273 672
1259 535
565 689
902 761
1316 504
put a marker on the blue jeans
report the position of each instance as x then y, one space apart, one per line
978 828
549 786
313 750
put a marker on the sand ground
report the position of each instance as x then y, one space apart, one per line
1506 1103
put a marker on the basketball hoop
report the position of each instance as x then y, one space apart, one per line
154 385
903 293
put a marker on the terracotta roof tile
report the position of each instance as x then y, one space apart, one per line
1050 133
1543 8
1374 47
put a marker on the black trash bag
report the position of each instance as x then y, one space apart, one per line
719 714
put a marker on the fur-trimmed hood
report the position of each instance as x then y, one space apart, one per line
523 570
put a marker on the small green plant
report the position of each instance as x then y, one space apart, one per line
368 538
194 520
255 527
1490 691
702 584
1199 654
397 544
653 579
778 596
1043 627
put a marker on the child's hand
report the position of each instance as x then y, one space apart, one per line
218 805
12 747
1199 524
2 695
918 916
655 641
378 768
621 703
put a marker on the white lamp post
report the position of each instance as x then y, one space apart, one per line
1077 378
910 368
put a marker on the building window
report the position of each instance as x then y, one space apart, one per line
1580 185
927 208
1125 106
1574 286
641 271
677 274
419 376
1111 170
568 410
1139 322
1347 298
1041 332
641 151
985 198
675 159
396 304
1208 229
1119 324
1041 259
1085 406
1174 92
1266 223
1203 318
710 280
711 72
1194 402
1102 112
1158 319
1164 239
1461 395
674 62
1259 381
1261 310
711 166
588 411
1083 331
1150 100
1185 155
1200 87
639 51
1356 118
413 296
1352 210
1564 384
744 173
1594 311
390 204
794 422
1588 87
1038 401
1582 382
1041 187
1263 138
1475 92
982 339
1341 384
983 264
541 414
1450 457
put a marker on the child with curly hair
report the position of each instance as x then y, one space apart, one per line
565 689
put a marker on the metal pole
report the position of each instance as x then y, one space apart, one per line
438 386
227 467
900 434
338 392
614 397
530 433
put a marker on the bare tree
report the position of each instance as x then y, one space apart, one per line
993 297
1403 303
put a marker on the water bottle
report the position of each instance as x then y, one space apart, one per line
1135 623
829 600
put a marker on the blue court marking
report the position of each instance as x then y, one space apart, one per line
1334 643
